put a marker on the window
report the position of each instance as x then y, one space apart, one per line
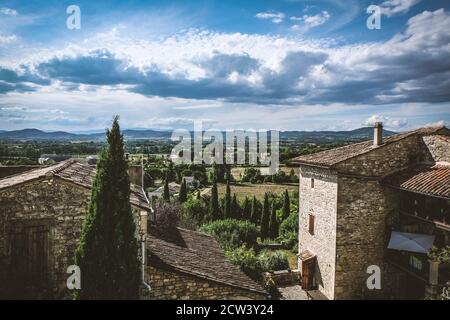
311 224
312 183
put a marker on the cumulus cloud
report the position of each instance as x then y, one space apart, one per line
7 39
307 22
387 121
395 7
275 17
8 11
412 66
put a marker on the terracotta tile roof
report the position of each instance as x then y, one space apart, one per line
75 172
431 180
196 254
329 158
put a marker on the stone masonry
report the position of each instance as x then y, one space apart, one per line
172 285
59 204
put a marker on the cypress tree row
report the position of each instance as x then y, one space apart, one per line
214 211
182 196
227 208
286 205
107 253
235 208
166 194
254 212
265 220
246 209
273 230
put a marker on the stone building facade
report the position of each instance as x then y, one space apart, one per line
354 210
42 213
172 285
41 217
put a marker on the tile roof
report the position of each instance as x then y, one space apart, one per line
75 172
197 254
329 158
431 180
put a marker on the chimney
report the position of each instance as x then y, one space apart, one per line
378 134
136 174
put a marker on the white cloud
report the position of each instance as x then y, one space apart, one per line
275 17
7 39
387 121
394 7
310 21
8 11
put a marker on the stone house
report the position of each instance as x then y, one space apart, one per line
41 215
351 200
185 264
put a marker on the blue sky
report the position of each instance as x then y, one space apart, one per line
284 64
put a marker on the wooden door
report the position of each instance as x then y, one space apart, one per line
308 270
29 244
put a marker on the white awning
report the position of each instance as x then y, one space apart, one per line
412 242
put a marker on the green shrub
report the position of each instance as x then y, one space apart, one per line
232 233
288 232
273 260
247 260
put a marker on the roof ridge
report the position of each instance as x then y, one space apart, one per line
61 166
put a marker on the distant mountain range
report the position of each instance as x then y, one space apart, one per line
133 134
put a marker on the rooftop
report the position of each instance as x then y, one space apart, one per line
197 254
72 171
429 180
329 158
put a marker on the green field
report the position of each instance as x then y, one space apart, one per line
247 189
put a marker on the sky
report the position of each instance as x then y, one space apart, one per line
248 64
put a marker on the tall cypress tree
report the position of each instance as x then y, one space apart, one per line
108 251
166 193
246 209
214 212
227 208
273 229
265 220
235 208
255 211
286 205
182 196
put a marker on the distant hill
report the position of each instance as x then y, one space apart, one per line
133 134
36 134
365 133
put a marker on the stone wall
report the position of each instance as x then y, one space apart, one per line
319 201
364 220
173 285
384 159
283 278
60 205
436 148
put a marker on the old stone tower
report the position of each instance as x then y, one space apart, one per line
348 207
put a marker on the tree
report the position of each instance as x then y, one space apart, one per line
166 194
182 196
235 208
265 220
255 211
214 203
218 172
107 252
227 208
273 228
286 205
246 209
